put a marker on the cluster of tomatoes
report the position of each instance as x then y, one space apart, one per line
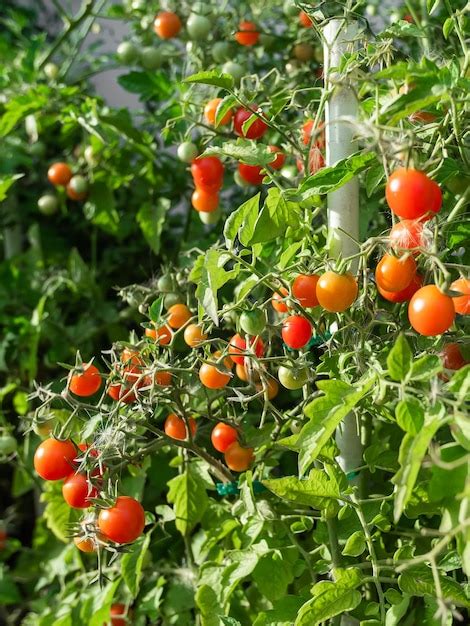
61 176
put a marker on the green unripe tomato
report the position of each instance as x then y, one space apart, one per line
371 10
198 27
165 283
90 156
44 429
127 52
37 149
187 151
151 58
289 8
235 70
51 70
139 5
48 204
210 218
253 322
172 298
8 445
292 378
79 184
221 51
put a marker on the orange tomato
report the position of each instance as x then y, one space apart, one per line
272 387
194 335
395 273
305 20
430 311
85 544
462 303
59 174
278 300
205 201
178 315
213 378
336 292
210 111
167 25
87 382
247 35
238 459
175 427
162 335
406 294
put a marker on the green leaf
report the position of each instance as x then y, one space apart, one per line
448 482
100 208
331 598
212 77
209 274
419 581
132 563
273 575
228 103
397 610
375 175
399 359
241 564
410 416
355 544
9 592
274 218
244 151
6 182
326 413
412 451
151 219
460 383
417 99
187 492
156 309
16 109
426 367
229 621
209 606
316 490
448 27
329 179
241 222
57 513
149 85
283 612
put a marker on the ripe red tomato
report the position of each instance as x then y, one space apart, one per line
411 194
305 20
304 289
210 111
452 357
223 436
131 357
167 25
336 292
122 393
238 459
59 174
307 130
178 315
406 294
238 347
119 615
296 331
278 300
279 160
162 334
395 273
252 174
462 303
205 201
247 35
407 235
53 459
86 383
257 128
77 491
208 173
175 427
211 377
430 311
124 522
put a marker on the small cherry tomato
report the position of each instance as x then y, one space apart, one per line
238 347
124 522
223 436
178 315
245 374
253 322
252 174
278 300
205 201
167 25
430 311
279 160
304 289
228 363
77 188
296 331
411 194
272 387
187 151
210 111
462 303
238 459
198 27
247 34
336 292
87 382
162 335
77 491
48 204
406 294
175 427
257 128
208 173
292 378
395 273
452 357
119 615
307 130
85 544
305 20
59 174
122 393
53 459
212 377
407 235
194 336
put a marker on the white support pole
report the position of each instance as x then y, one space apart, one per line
343 204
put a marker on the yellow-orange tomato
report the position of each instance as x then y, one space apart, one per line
175 427
278 300
395 273
210 111
194 335
238 459
272 387
59 174
205 201
228 363
167 25
462 303
247 34
85 544
162 335
246 375
336 292
178 315
213 378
